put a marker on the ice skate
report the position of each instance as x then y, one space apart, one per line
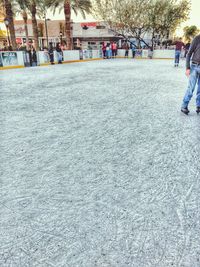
185 111
198 110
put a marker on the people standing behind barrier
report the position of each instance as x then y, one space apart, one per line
51 54
108 51
59 53
126 47
150 52
133 49
179 45
104 49
114 49
33 57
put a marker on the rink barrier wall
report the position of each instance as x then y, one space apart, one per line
19 59
157 54
11 60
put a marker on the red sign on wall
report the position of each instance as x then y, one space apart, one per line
89 24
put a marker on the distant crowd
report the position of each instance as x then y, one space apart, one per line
109 50
31 53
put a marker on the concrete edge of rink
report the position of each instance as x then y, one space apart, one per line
76 61
12 67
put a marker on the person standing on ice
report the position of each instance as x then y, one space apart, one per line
59 53
126 47
178 48
108 51
104 49
193 72
114 49
51 54
133 48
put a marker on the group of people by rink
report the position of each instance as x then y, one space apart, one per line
109 50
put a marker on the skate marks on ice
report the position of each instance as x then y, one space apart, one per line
97 170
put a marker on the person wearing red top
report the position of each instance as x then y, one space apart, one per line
114 49
178 48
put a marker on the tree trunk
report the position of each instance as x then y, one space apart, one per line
25 18
68 32
35 27
9 16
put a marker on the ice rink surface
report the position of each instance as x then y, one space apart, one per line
98 166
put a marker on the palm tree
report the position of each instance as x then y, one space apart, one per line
36 7
9 17
23 11
32 6
82 6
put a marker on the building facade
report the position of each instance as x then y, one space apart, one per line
89 35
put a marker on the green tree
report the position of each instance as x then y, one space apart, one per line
190 32
134 18
125 17
164 16
81 6
32 6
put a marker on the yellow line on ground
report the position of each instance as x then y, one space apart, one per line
11 67
47 64
72 61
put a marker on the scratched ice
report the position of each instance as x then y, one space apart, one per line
98 166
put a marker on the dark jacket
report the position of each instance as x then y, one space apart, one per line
58 49
179 45
194 52
32 56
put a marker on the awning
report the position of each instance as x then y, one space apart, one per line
3 34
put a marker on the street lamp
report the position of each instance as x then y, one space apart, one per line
6 21
46 29
47 35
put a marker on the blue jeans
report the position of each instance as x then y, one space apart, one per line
177 56
194 79
59 57
109 53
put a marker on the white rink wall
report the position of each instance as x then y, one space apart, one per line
17 58
11 58
71 55
161 54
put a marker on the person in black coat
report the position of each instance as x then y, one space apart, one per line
51 54
59 53
33 57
